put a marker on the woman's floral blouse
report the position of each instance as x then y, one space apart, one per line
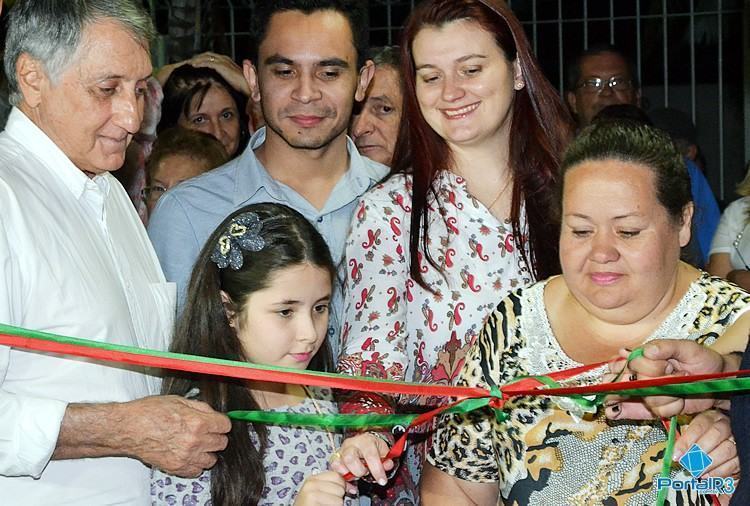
392 327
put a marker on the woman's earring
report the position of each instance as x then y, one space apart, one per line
518 85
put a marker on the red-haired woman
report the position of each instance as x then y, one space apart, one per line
465 216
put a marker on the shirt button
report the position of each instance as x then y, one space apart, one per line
320 219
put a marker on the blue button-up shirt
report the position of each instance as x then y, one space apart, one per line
187 215
706 215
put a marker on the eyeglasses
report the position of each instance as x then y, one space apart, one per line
153 193
597 84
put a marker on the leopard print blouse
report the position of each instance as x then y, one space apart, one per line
549 451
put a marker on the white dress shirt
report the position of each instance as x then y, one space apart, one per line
74 260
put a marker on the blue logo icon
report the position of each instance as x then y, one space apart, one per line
695 460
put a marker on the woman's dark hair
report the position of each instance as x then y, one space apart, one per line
540 126
186 84
634 142
204 329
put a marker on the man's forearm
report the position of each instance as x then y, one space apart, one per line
176 435
91 430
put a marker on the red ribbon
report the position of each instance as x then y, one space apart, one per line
251 372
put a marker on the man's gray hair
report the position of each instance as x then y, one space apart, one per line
386 55
50 31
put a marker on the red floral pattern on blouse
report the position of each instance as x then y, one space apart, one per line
392 327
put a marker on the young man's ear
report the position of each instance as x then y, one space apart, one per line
229 308
31 77
251 76
366 74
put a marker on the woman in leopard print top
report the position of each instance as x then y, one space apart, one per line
625 211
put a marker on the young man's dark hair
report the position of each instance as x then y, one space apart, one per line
355 12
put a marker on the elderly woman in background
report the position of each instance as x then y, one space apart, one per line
200 98
730 249
178 155
465 216
625 209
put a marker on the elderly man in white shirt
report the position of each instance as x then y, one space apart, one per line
75 260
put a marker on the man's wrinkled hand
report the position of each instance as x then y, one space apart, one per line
177 435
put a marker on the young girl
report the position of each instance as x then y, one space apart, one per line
260 292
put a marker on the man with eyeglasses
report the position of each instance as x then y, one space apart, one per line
601 75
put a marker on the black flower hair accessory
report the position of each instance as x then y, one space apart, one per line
242 233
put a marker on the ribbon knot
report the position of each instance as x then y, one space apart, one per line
497 403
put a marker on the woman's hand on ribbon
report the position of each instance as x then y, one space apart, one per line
664 357
361 455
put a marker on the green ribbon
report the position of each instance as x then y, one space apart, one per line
334 421
579 399
155 358
21 338
666 464
467 405
716 386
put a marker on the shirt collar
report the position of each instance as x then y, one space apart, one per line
253 176
363 172
27 133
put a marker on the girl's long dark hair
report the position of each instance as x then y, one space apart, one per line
187 83
540 128
203 329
